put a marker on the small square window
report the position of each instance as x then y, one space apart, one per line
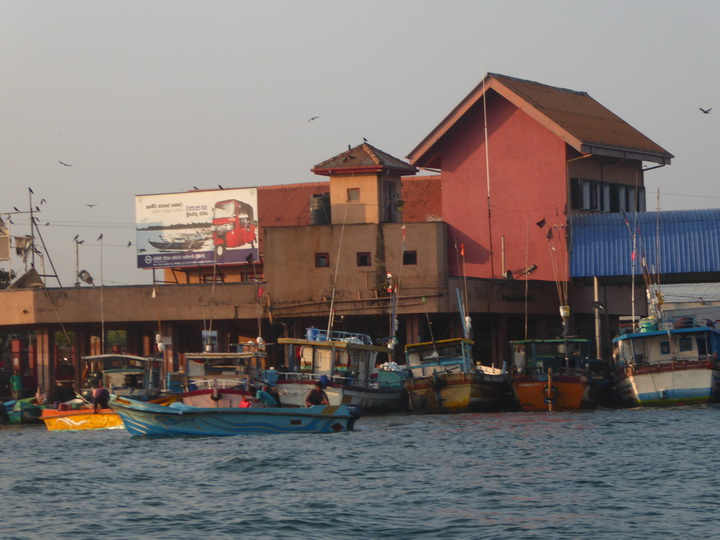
664 347
409 258
363 259
322 260
686 344
353 194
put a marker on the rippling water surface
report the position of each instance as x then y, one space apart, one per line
601 474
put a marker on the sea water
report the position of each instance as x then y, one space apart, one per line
641 473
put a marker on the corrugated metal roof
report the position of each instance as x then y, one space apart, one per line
688 241
683 293
364 157
573 116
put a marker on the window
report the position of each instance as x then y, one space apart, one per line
322 260
353 194
363 259
686 344
664 347
605 197
409 258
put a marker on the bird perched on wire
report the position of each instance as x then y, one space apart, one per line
706 111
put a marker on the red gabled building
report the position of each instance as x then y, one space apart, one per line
516 158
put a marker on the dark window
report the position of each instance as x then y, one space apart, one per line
664 347
363 259
603 197
322 260
686 344
409 257
353 194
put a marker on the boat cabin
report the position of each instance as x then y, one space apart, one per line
537 356
674 344
449 356
123 375
341 356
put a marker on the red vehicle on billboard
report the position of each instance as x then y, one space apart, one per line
233 225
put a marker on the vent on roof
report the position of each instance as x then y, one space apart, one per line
320 209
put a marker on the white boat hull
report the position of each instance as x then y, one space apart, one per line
370 400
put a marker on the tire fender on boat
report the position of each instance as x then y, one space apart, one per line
550 393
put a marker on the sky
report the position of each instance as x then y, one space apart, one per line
159 96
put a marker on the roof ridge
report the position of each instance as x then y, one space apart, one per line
528 81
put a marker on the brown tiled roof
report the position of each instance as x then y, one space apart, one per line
288 205
363 158
422 199
574 116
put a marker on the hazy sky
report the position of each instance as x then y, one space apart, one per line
159 96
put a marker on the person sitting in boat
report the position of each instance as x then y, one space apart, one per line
100 396
317 396
263 396
245 402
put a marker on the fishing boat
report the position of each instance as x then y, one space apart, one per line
21 411
667 362
143 418
221 379
184 242
347 365
137 377
80 419
445 378
557 374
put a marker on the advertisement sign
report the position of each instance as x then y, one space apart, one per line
196 228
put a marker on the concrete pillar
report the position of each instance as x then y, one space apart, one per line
45 361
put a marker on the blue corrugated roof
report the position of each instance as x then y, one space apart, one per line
689 242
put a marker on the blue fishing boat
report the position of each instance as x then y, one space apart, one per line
668 362
143 418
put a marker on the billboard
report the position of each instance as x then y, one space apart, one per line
196 228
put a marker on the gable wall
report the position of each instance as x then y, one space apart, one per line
527 184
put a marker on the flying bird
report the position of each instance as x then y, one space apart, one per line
91 205
43 201
706 111
66 164
313 118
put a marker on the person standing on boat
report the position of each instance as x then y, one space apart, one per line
16 385
316 396
100 396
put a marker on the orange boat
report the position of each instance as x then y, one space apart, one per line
80 419
557 375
